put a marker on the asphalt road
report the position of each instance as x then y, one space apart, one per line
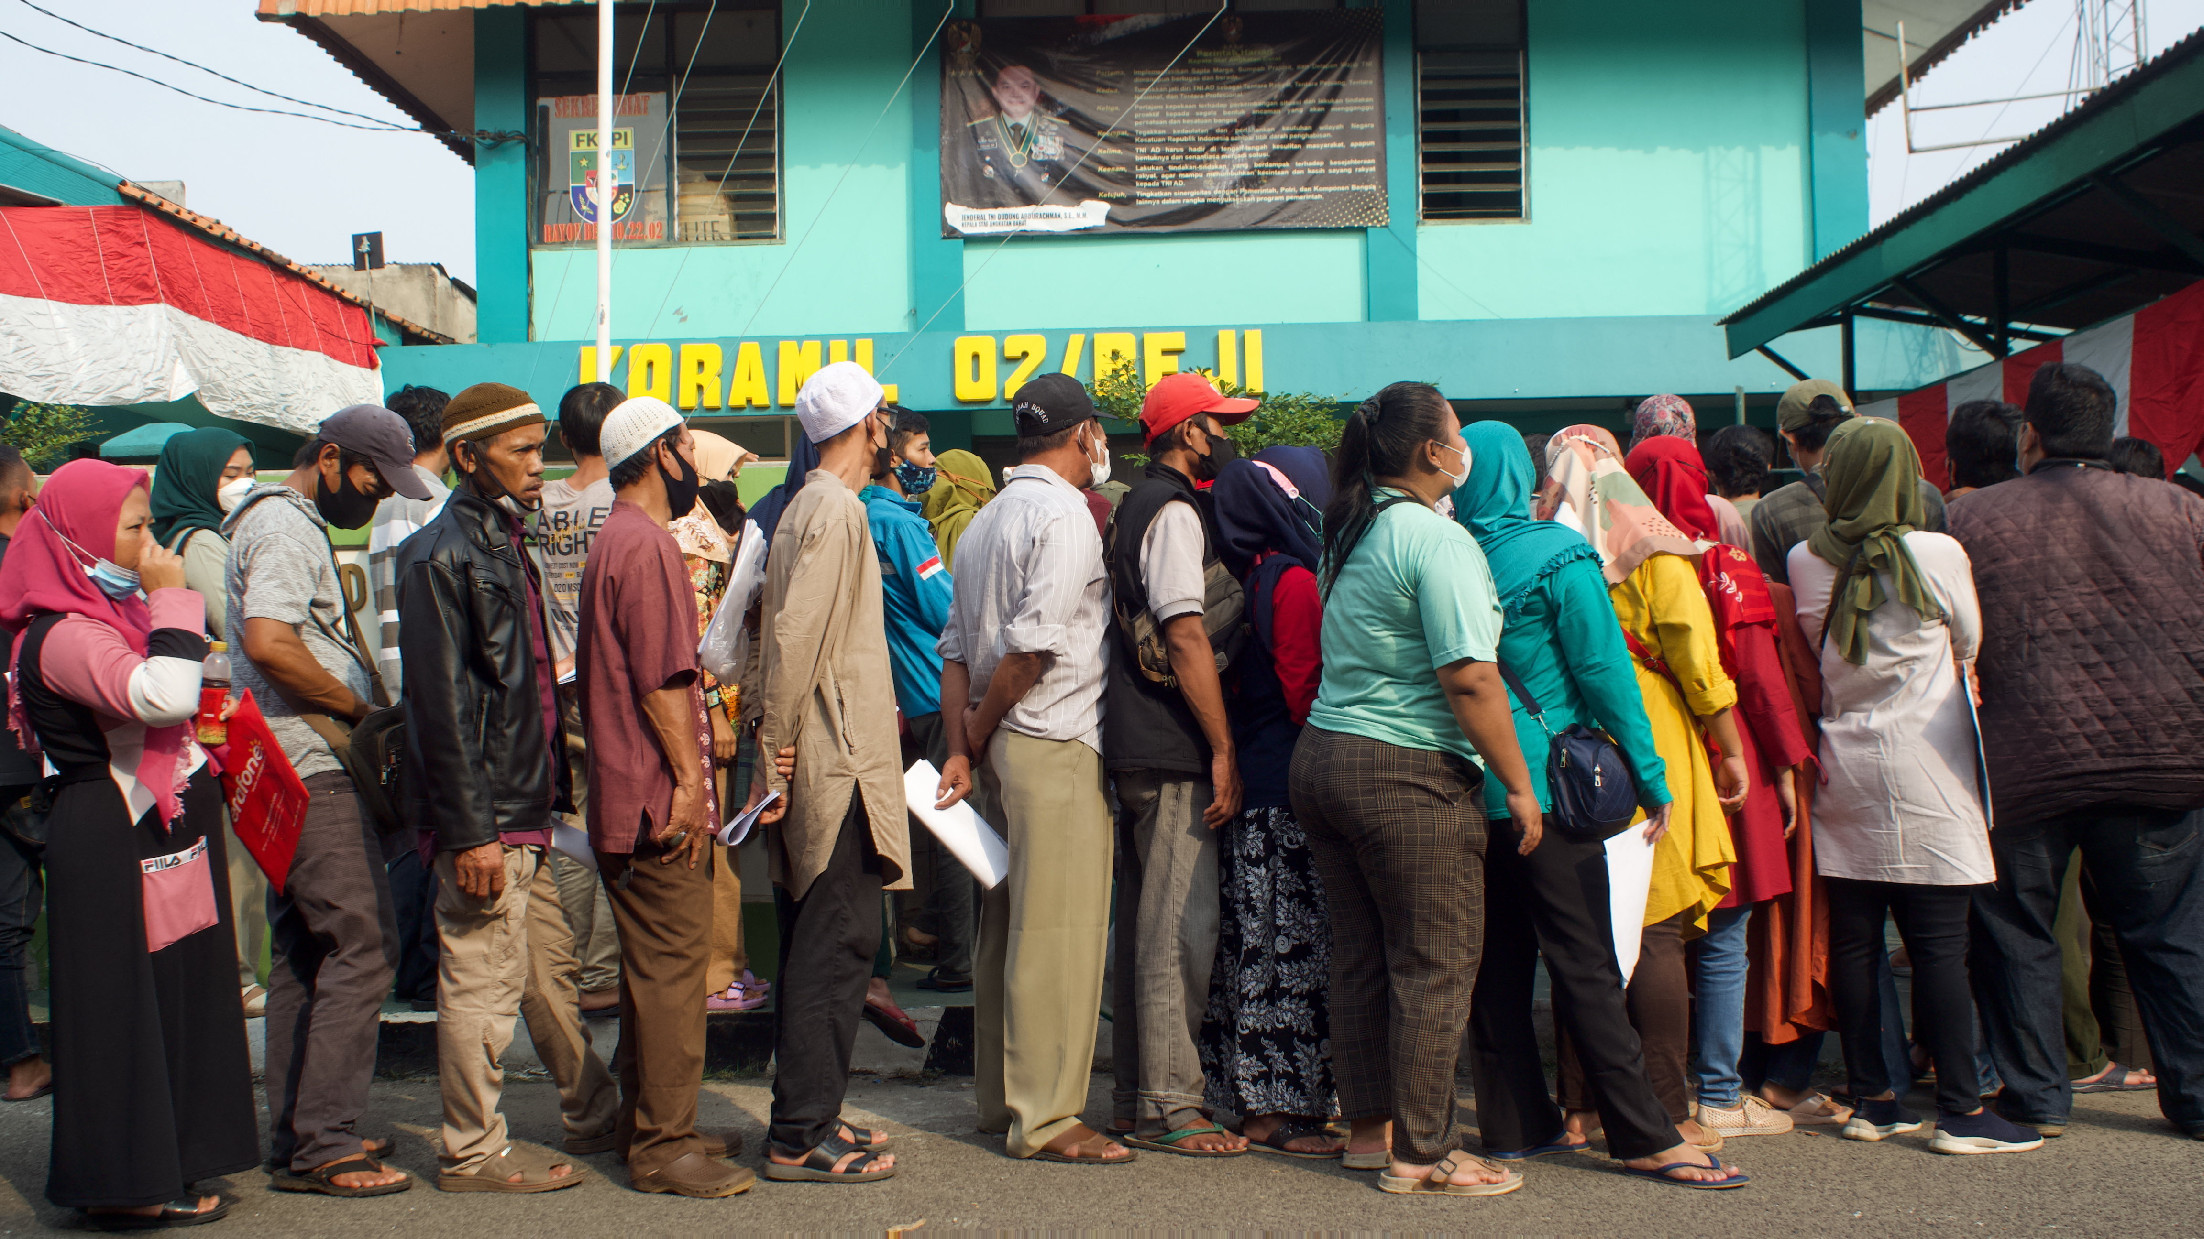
2120 1170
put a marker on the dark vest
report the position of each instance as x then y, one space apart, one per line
1146 726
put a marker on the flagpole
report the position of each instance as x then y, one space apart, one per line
606 190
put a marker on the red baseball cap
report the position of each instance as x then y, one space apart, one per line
1179 396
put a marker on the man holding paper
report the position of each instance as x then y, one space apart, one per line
1021 688
484 773
840 839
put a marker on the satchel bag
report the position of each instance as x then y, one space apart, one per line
1594 796
1223 618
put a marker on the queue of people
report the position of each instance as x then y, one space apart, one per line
1306 763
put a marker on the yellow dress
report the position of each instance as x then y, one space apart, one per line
1662 605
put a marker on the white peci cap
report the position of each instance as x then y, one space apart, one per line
836 398
633 425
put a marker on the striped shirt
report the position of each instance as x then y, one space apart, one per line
1030 580
396 519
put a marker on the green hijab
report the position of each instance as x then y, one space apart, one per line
1874 500
189 474
961 489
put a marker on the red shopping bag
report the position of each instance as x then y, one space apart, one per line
266 797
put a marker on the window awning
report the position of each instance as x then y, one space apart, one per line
1934 29
2094 216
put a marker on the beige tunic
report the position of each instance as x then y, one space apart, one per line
827 687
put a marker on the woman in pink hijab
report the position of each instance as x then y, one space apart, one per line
152 1080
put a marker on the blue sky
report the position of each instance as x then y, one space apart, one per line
302 187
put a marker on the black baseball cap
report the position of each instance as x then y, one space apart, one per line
383 437
1049 403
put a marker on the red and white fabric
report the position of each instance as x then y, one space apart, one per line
2154 358
114 305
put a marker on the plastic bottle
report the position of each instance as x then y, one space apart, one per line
214 689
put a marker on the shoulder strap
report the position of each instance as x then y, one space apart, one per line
1522 694
181 538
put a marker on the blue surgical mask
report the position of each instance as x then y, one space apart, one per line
914 479
115 581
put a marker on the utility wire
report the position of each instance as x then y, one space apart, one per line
196 65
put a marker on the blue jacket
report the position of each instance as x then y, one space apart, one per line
914 592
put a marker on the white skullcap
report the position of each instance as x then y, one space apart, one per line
633 425
835 399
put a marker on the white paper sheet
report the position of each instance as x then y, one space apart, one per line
969 839
726 642
736 831
575 843
1629 882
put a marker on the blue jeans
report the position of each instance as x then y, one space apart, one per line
1718 1016
1790 1065
2145 865
22 892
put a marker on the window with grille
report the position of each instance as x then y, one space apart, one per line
696 91
1469 109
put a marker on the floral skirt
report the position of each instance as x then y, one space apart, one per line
1266 1037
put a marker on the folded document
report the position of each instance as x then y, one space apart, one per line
969 839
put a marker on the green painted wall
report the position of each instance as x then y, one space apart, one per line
26 165
501 176
851 275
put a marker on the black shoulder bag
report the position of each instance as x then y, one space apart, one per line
1594 795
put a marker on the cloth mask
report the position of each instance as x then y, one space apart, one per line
1222 451
681 492
347 506
915 480
233 492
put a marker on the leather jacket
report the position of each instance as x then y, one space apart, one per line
477 761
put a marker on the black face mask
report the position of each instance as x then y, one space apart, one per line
681 492
346 506
1222 452
724 501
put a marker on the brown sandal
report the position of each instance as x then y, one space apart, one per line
323 1180
532 1163
1087 1150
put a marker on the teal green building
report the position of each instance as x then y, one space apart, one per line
1574 192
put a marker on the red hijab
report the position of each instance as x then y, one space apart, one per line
1669 470
45 575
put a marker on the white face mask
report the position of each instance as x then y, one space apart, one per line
1455 483
1102 466
233 492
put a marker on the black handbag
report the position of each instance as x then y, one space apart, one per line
1594 796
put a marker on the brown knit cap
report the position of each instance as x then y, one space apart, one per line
486 409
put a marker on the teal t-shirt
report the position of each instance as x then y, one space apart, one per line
1415 596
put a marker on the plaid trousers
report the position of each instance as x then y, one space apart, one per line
1398 835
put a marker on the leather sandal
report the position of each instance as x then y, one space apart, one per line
716 1143
818 1165
1081 1150
1440 1179
693 1174
184 1212
533 1163
322 1180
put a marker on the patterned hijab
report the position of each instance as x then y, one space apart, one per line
1587 490
1663 416
1874 501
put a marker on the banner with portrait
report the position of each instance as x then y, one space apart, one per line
1110 124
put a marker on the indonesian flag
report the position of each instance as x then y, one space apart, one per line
117 305
2154 359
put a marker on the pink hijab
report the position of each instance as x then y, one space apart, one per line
81 503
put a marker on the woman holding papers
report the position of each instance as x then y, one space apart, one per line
1266 1040
152 1083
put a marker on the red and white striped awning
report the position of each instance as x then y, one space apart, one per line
2154 358
111 305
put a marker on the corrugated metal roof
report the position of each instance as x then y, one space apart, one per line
2167 62
223 232
277 10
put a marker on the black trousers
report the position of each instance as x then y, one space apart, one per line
827 942
413 898
1933 922
1554 901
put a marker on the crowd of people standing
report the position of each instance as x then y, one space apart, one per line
1309 760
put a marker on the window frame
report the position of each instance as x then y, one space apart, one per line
1520 48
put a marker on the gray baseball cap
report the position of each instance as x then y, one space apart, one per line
384 438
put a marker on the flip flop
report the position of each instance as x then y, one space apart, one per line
1666 1174
322 1181
1808 1112
1380 1160
1085 1152
1436 1183
44 1090
899 1027
1286 1134
1559 1144
818 1165
2116 1079
1169 1142
175 1213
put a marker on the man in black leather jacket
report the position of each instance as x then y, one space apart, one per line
481 779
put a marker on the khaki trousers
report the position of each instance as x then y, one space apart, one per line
728 956
1038 980
508 956
589 915
665 917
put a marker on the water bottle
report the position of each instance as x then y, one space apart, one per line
214 690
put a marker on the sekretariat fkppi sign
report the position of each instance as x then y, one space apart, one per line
757 376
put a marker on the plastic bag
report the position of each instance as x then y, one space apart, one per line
725 645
